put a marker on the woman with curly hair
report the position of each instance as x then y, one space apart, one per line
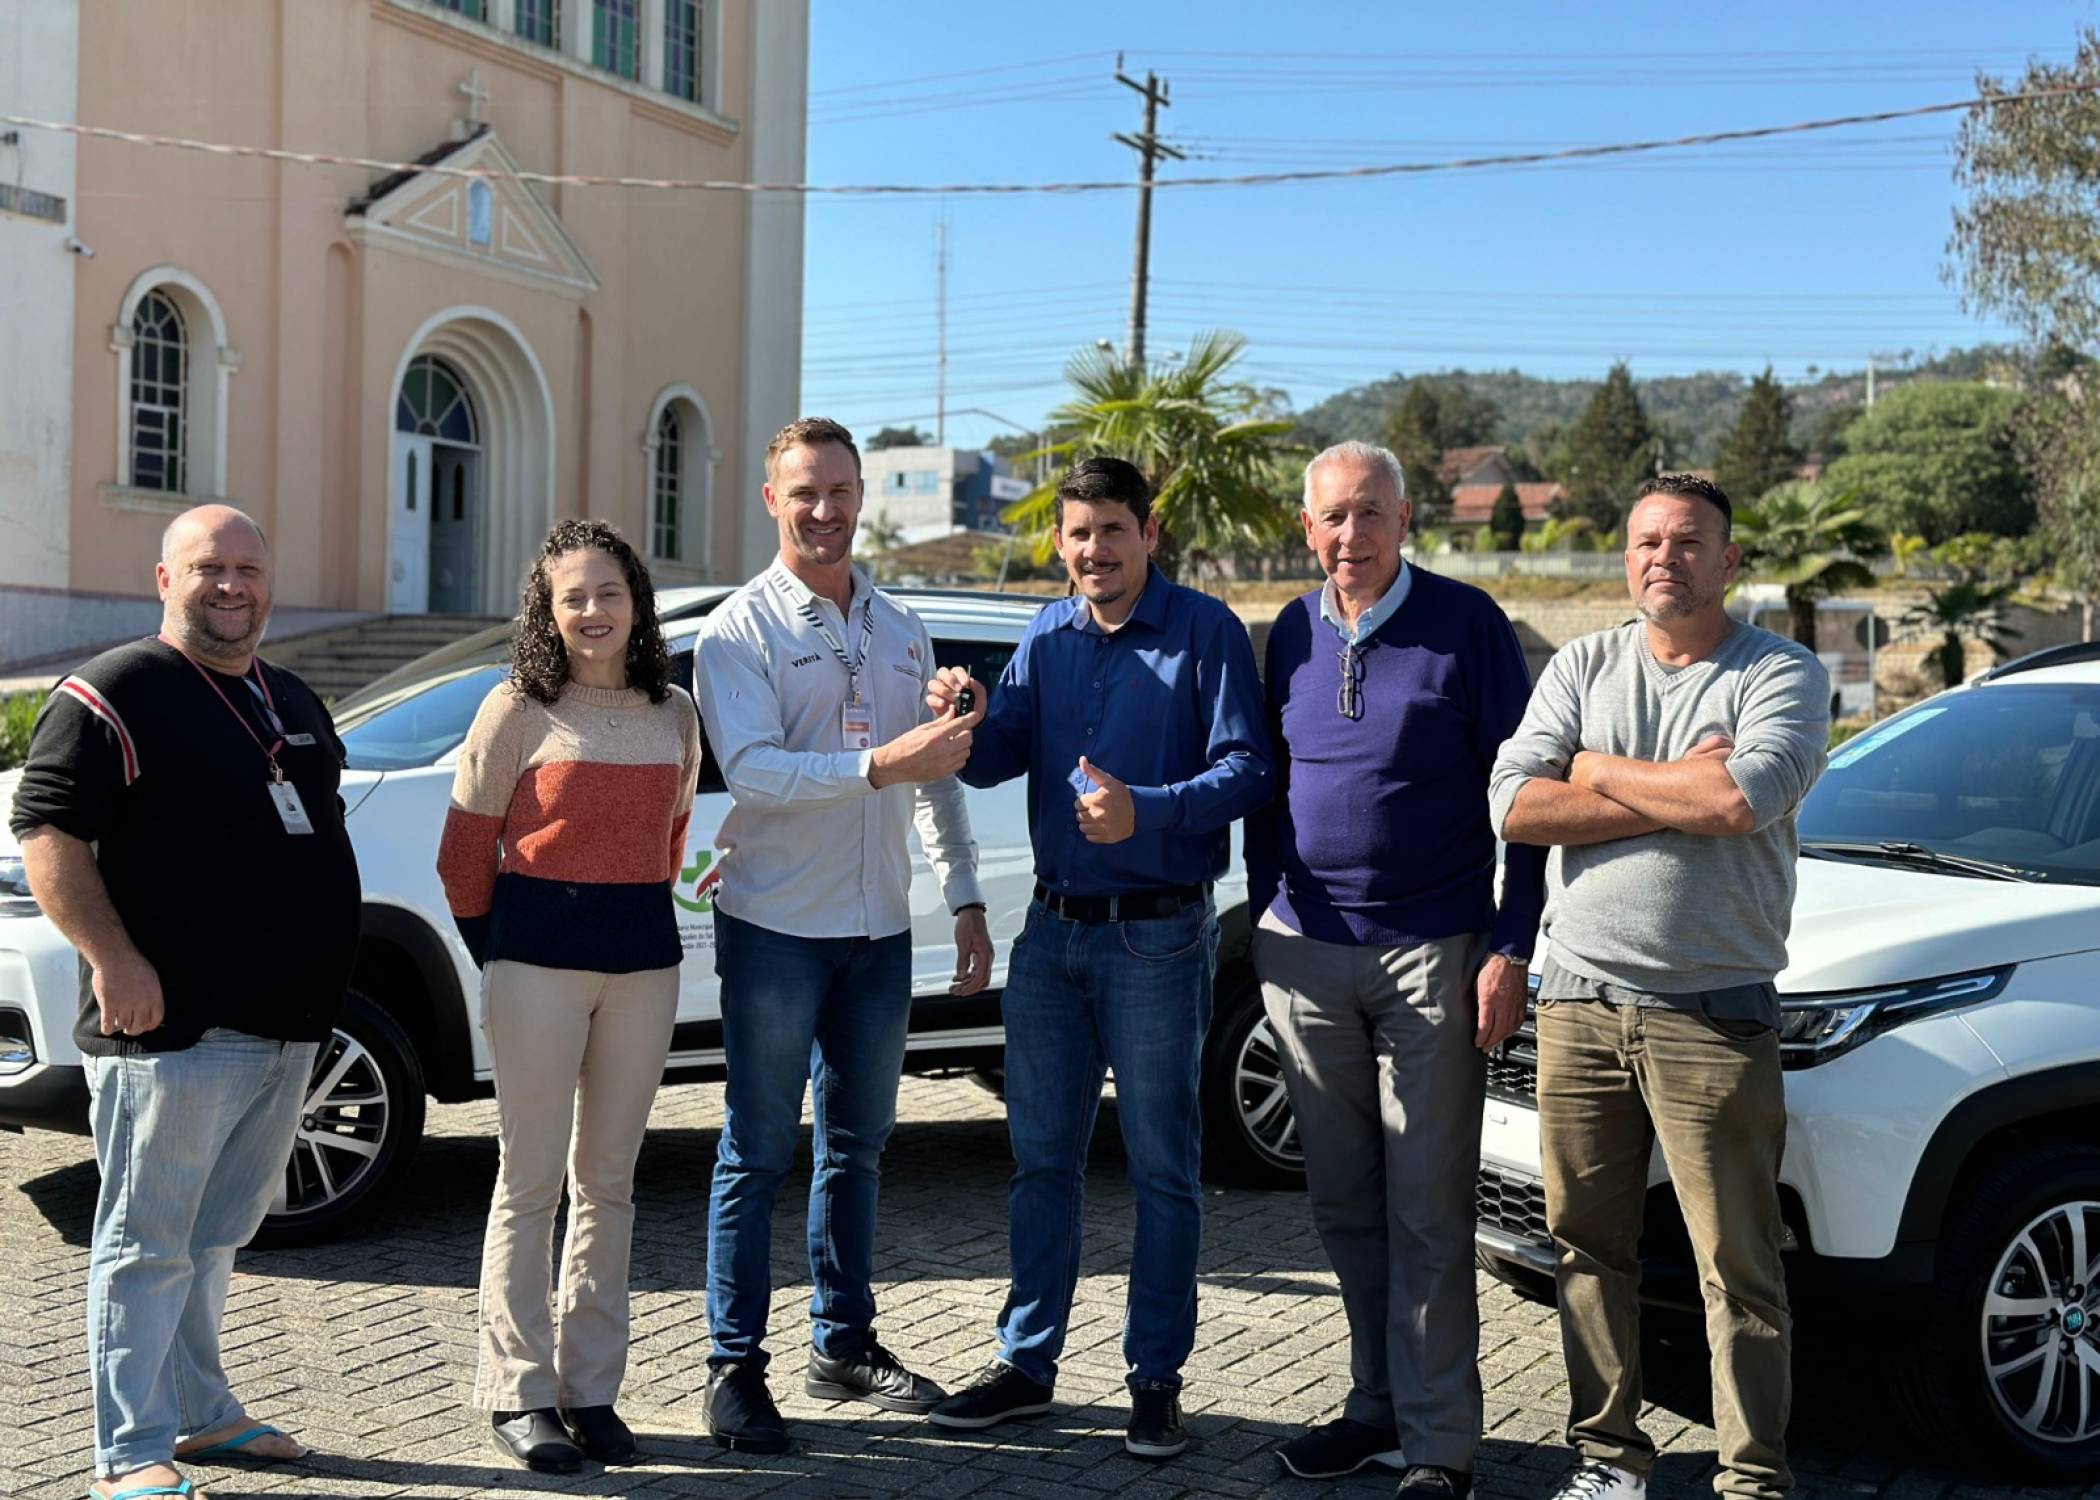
566 830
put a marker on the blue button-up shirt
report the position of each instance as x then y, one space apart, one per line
1170 704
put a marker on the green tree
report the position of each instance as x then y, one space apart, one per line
1952 615
884 535
1607 453
1415 434
1940 458
1810 540
898 437
1756 454
1506 521
1221 473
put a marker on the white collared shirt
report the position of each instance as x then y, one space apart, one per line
812 850
1368 622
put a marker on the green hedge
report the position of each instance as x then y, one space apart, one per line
18 713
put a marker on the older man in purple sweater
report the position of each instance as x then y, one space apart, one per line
1388 967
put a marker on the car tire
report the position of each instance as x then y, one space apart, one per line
1967 1383
1249 1136
355 1140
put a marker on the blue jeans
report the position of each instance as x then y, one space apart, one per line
192 1147
832 1013
1081 999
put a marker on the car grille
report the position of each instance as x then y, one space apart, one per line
1511 1203
1513 1068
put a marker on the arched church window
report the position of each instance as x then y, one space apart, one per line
434 403
665 539
160 360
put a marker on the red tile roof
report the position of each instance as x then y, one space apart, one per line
1457 463
1474 504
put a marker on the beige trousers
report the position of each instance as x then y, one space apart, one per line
578 1056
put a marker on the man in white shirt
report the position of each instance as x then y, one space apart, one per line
812 687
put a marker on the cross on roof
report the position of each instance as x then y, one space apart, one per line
476 95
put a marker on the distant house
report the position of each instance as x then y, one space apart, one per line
1474 466
1474 504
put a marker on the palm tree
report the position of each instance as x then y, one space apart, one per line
1217 462
1812 543
1555 534
884 535
1968 608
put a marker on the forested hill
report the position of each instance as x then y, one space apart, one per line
1691 410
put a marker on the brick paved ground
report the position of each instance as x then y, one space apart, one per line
366 1347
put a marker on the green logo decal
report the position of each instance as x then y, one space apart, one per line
702 876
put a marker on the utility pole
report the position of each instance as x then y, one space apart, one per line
1150 149
940 279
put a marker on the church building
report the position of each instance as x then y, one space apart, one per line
405 376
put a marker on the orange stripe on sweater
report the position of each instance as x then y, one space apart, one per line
590 821
467 861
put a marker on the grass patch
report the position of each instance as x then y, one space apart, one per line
18 713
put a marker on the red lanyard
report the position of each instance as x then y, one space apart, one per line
270 750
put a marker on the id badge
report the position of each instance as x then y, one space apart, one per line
857 726
289 808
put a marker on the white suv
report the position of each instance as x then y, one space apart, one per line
411 1027
1942 1044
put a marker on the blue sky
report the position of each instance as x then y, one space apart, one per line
1816 251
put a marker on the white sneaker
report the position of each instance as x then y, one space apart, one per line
1602 1482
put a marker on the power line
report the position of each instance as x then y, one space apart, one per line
1014 189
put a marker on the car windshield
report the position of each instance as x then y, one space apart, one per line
415 729
2005 775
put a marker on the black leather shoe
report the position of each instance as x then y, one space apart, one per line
740 1412
1155 1429
536 1440
600 1433
1428 1482
1340 1447
998 1394
873 1375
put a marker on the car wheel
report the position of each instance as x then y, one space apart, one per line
2007 1366
357 1129
1250 1136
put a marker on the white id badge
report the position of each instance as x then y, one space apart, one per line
857 725
290 808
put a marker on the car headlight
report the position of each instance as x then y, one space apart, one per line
15 900
1815 1028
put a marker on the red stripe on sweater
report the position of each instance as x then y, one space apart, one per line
467 861
587 820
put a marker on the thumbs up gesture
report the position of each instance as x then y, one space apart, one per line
1106 814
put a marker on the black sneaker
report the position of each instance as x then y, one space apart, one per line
600 1433
999 1393
536 1440
1155 1429
1428 1482
1340 1447
875 1376
740 1412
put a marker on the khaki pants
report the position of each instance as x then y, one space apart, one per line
578 1057
1386 1084
1613 1080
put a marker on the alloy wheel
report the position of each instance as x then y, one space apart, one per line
342 1126
1264 1103
2041 1326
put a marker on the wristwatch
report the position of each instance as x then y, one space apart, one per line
969 906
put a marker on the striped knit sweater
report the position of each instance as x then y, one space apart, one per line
567 827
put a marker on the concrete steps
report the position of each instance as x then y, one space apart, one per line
336 663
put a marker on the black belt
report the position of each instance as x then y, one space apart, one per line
1131 906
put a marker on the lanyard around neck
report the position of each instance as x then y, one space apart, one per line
814 617
258 683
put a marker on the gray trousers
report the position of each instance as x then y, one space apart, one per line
1378 1054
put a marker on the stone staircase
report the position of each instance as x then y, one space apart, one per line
336 663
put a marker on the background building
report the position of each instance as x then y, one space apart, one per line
929 492
406 378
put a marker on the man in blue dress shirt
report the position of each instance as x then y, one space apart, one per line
1135 711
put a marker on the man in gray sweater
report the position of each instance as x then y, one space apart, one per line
1665 759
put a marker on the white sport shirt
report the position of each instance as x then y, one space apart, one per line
812 849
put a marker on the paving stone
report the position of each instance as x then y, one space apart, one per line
367 1346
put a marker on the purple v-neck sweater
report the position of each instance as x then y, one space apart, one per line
1379 834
